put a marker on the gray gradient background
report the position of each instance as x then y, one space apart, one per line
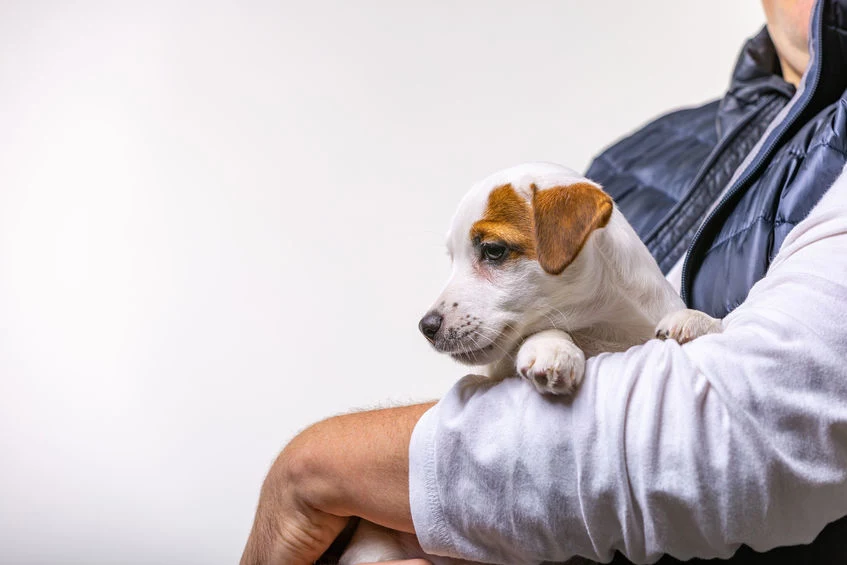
221 221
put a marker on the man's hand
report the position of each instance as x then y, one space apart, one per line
351 465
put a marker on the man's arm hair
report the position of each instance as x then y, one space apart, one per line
357 464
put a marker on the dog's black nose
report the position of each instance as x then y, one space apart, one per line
430 324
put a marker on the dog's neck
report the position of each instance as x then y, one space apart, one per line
614 293
634 272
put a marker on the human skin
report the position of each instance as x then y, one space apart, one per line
351 465
788 26
358 464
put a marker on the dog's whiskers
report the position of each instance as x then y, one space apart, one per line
551 320
562 314
493 342
477 349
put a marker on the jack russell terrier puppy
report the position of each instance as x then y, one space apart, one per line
546 272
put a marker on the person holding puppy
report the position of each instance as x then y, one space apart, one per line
736 440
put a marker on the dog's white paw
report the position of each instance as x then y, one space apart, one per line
551 362
686 325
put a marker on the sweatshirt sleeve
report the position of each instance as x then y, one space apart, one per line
692 450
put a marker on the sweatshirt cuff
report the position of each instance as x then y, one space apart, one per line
427 511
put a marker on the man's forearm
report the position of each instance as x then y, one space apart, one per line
357 464
351 465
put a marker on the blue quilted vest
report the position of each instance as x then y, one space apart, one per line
721 185
770 151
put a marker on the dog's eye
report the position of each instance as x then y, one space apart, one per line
494 252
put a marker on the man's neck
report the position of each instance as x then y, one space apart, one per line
789 72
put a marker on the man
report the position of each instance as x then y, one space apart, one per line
738 438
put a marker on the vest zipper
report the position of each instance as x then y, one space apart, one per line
689 219
761 157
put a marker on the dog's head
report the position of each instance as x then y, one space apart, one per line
517 243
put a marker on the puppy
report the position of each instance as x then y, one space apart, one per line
546 271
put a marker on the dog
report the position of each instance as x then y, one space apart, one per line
546 272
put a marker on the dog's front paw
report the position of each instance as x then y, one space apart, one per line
551 362
686 325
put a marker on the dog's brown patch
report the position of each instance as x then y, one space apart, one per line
507 219
564 217
552 229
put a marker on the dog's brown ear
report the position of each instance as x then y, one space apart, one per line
564 218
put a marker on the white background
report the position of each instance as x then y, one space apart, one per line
220 222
